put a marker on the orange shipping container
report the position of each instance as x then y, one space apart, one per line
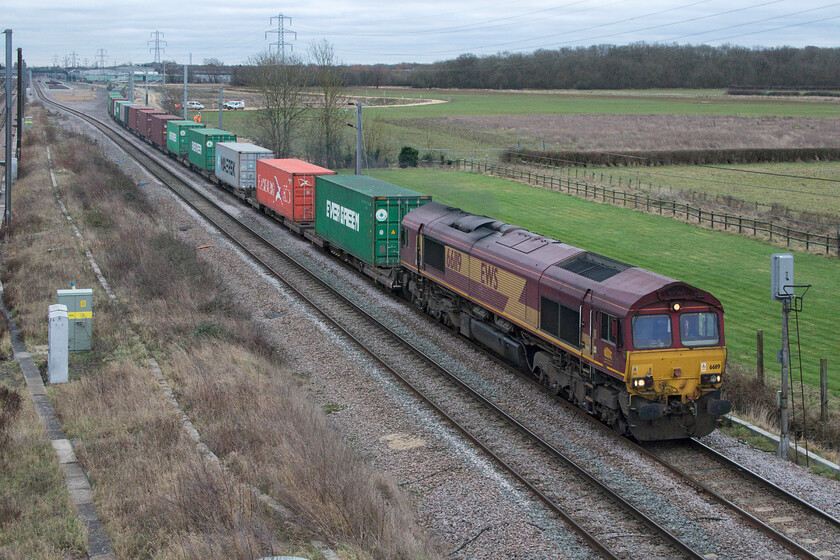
287 186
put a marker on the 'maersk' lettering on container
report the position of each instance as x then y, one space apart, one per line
228 166
343 215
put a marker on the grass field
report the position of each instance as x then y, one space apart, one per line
449 126
735 269
769 184
488 102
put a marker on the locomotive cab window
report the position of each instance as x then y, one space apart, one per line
434 254
699 329
404 237
652 331
610 329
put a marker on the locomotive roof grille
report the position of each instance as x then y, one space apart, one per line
595 267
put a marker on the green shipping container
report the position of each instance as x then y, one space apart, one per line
362 216
124 112
118 108
201 146
176 135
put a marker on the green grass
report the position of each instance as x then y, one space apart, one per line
735 269
626 103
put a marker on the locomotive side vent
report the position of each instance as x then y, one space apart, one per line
595 267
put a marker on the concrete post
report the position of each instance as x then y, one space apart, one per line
8 158
59 351
184 106
759 356
221 101
823 389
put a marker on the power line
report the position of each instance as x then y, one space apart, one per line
157 41
102 54
281 43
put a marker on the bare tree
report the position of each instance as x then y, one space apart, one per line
280 81
213 70
170 100
328 80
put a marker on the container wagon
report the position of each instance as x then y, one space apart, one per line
144 121
201 152
286 189
176 136
358 219
157 130
236 166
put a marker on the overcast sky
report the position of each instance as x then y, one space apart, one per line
400 31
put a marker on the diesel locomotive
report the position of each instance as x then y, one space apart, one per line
642 352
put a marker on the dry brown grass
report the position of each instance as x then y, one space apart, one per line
647 132
756 403
254 415
163 501
37 520
153 491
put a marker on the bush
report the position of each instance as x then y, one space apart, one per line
408 157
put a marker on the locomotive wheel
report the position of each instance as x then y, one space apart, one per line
621 426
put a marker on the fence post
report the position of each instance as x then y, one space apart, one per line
759 356
823 389
838 242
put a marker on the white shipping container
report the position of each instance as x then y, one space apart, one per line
236 163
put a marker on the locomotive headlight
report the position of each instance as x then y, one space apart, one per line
642 382
676 307
710 378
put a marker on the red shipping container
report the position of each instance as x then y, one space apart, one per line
287 186
144 120
132 115
157 132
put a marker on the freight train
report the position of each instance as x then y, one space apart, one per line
642 352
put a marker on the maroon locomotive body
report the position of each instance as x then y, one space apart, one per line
585 325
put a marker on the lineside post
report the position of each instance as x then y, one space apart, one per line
823 389
8 185
759 356
184 106
784 439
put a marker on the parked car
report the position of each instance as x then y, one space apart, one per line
195 105
234 105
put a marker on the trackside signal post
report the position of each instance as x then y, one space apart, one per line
782 289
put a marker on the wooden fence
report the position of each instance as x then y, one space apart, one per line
829 242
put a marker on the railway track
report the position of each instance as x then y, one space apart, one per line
612 526
802 528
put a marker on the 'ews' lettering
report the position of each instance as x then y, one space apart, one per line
490 276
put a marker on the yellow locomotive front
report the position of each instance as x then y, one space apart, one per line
674 368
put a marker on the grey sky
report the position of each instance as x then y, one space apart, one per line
391 32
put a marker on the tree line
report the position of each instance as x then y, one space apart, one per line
634 66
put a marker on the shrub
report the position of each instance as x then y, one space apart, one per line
408 157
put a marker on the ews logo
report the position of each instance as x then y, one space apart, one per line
490 276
